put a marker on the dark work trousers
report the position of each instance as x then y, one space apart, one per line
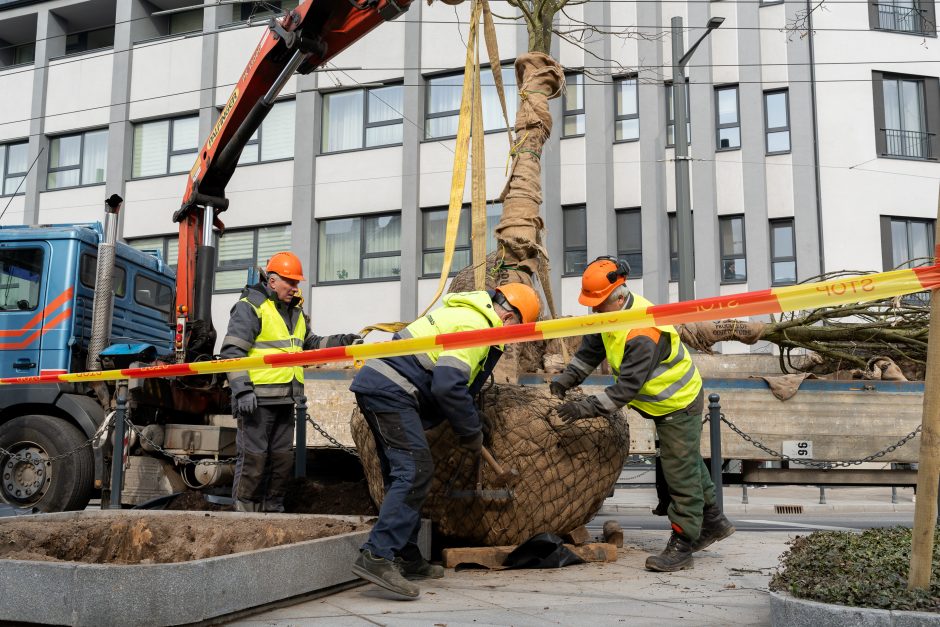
690 483
265 461
407 469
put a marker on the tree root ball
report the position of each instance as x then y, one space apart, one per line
565 471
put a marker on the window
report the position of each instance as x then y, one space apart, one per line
24 53
366 248
904 116
575 239
574 105
14 162
727 120
363 118
168 247
443 105
185 22
627 113
88 273
149 293
630 240
244 249
20 278
89 40
782 252
906 242
434 234
165 146
671 118
274 139
733 257
266 9
777 121
905 16
78 159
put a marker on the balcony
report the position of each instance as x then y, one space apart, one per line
908 144
902 19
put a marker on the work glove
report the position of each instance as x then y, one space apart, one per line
557 389
246 403
576 410
471 443
351 338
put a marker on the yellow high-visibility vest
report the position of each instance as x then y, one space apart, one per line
674 383
275 338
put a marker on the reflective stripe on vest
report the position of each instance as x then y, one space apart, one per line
673 384
275 338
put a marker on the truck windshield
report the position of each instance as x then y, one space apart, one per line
20 277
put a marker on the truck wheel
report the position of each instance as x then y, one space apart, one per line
56 486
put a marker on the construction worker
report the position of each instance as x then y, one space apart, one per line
268 319
655 376
400 397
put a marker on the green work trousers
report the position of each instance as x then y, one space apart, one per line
690 483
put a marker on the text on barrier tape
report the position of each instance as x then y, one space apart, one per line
776 300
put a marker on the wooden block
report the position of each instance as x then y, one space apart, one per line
613 534
493 557
578 536
486 556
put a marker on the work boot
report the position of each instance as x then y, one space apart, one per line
383 572
419 568
676 556
715 527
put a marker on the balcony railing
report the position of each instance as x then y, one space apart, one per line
901 18
911 144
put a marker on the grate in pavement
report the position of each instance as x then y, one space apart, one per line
788 509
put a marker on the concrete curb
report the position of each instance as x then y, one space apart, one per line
789 611
767 508
74 593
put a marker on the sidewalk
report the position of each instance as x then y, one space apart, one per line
639 501
727 586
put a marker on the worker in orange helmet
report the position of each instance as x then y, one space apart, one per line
401 397
654 375
267 320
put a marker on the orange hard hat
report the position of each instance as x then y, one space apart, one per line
523 299
287 265
600 278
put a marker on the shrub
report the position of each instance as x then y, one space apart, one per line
867 569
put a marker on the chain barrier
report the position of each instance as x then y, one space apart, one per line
336 443
821 465
177 458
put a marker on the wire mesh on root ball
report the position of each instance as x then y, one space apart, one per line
565 471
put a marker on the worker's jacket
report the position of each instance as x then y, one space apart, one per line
443 382
260 324
652 368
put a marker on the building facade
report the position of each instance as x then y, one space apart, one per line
811 151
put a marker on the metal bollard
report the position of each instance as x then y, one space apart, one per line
744 493
300 443
714 428
117 453
822 495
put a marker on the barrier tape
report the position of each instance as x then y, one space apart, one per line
830 293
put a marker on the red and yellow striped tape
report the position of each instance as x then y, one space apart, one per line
776 300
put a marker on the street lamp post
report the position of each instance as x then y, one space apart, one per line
681 137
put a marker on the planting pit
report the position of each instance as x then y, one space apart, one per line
117 567
147 539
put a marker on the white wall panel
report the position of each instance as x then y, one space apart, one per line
260 194
234 52
627 175
17 89
362 181
81 204
14 212
444 35
573 171
779 173
437 163
150 203
165 78
349 308
79 92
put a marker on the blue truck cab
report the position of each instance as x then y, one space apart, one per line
47 285
47 281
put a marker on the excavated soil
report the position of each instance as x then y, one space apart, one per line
304 496
142 539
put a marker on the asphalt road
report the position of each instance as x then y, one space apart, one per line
770 522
